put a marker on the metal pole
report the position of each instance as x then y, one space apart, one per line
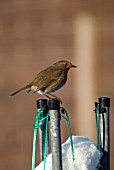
40 104
104 103
54 111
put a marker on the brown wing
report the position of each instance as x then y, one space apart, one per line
56 84
46 77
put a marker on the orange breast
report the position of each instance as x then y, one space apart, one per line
63 68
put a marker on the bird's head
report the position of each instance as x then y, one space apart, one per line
64 65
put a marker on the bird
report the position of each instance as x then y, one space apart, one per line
49 80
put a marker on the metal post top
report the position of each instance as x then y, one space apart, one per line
54 104
41 103
104 101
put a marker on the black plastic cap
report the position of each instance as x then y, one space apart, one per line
41 103
104 102
54 104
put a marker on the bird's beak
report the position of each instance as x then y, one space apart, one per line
73 66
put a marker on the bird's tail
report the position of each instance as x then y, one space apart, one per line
26 87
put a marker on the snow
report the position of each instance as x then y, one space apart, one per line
86 155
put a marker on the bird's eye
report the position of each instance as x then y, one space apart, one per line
66 64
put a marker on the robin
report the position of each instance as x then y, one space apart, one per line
49 80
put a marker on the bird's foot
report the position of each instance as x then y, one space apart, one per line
58 99
53 97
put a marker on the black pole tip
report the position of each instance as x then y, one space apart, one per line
104 102
54 104
41 103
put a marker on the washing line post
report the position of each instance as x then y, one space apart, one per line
54 112
104 105
40 104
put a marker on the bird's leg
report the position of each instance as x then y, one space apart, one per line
47 96
55 97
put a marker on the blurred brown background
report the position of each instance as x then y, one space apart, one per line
35 34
